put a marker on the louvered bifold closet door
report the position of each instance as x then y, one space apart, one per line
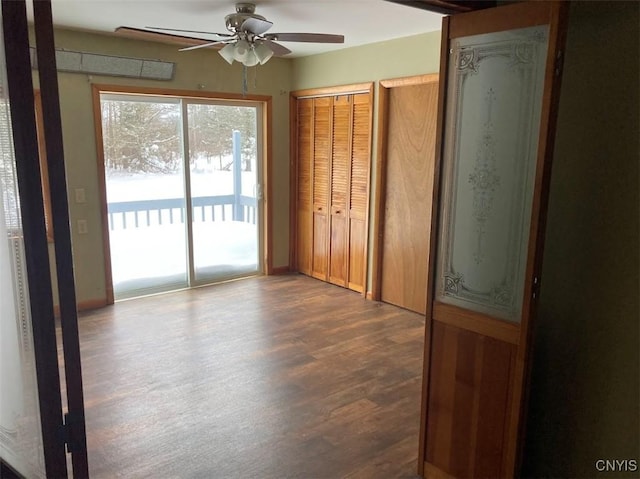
340 179
359 190
305 183
321 169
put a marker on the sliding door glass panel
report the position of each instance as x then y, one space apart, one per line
20 434
145 193
223 164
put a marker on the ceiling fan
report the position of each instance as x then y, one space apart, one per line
247 41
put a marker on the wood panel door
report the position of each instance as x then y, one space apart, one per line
340 186
359 191
409 168
304 191
497 109
321 186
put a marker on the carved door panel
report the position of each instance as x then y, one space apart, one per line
496 126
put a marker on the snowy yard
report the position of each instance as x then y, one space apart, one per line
146 257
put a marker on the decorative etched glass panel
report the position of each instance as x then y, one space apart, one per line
492 125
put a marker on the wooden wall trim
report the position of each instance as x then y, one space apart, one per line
435 220
189 94
92 304
281 270
88 305
409 81
102 193
447 7
379 199
478 323
293 183
515 15
334 90
368 207
46 193
433 472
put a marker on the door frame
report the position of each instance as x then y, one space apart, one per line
515 16
265 168
294 96
384 91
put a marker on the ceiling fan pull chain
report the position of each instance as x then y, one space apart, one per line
244 80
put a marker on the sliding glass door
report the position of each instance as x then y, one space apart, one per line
224 183
145 193
162 154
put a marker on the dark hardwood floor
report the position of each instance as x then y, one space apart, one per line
269 377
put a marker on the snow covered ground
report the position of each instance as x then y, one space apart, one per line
143 258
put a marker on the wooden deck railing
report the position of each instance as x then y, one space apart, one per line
139 213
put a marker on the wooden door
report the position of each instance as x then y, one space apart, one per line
321 171
359 191
304 191
340 179
501 75
410 154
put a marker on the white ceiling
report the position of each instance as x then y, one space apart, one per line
360 21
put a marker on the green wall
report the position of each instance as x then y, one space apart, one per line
408 56
195 70
584 401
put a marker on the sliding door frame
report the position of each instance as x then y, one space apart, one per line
265 116
260 163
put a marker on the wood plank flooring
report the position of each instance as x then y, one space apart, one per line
270 377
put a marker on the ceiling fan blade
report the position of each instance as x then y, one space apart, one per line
221 35
306 37
141 34
256 26
277 49
204 45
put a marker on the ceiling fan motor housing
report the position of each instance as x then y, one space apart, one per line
234 21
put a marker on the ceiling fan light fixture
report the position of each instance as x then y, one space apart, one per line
241 50
251 60
228 53
263 53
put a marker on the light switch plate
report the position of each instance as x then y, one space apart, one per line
80 195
